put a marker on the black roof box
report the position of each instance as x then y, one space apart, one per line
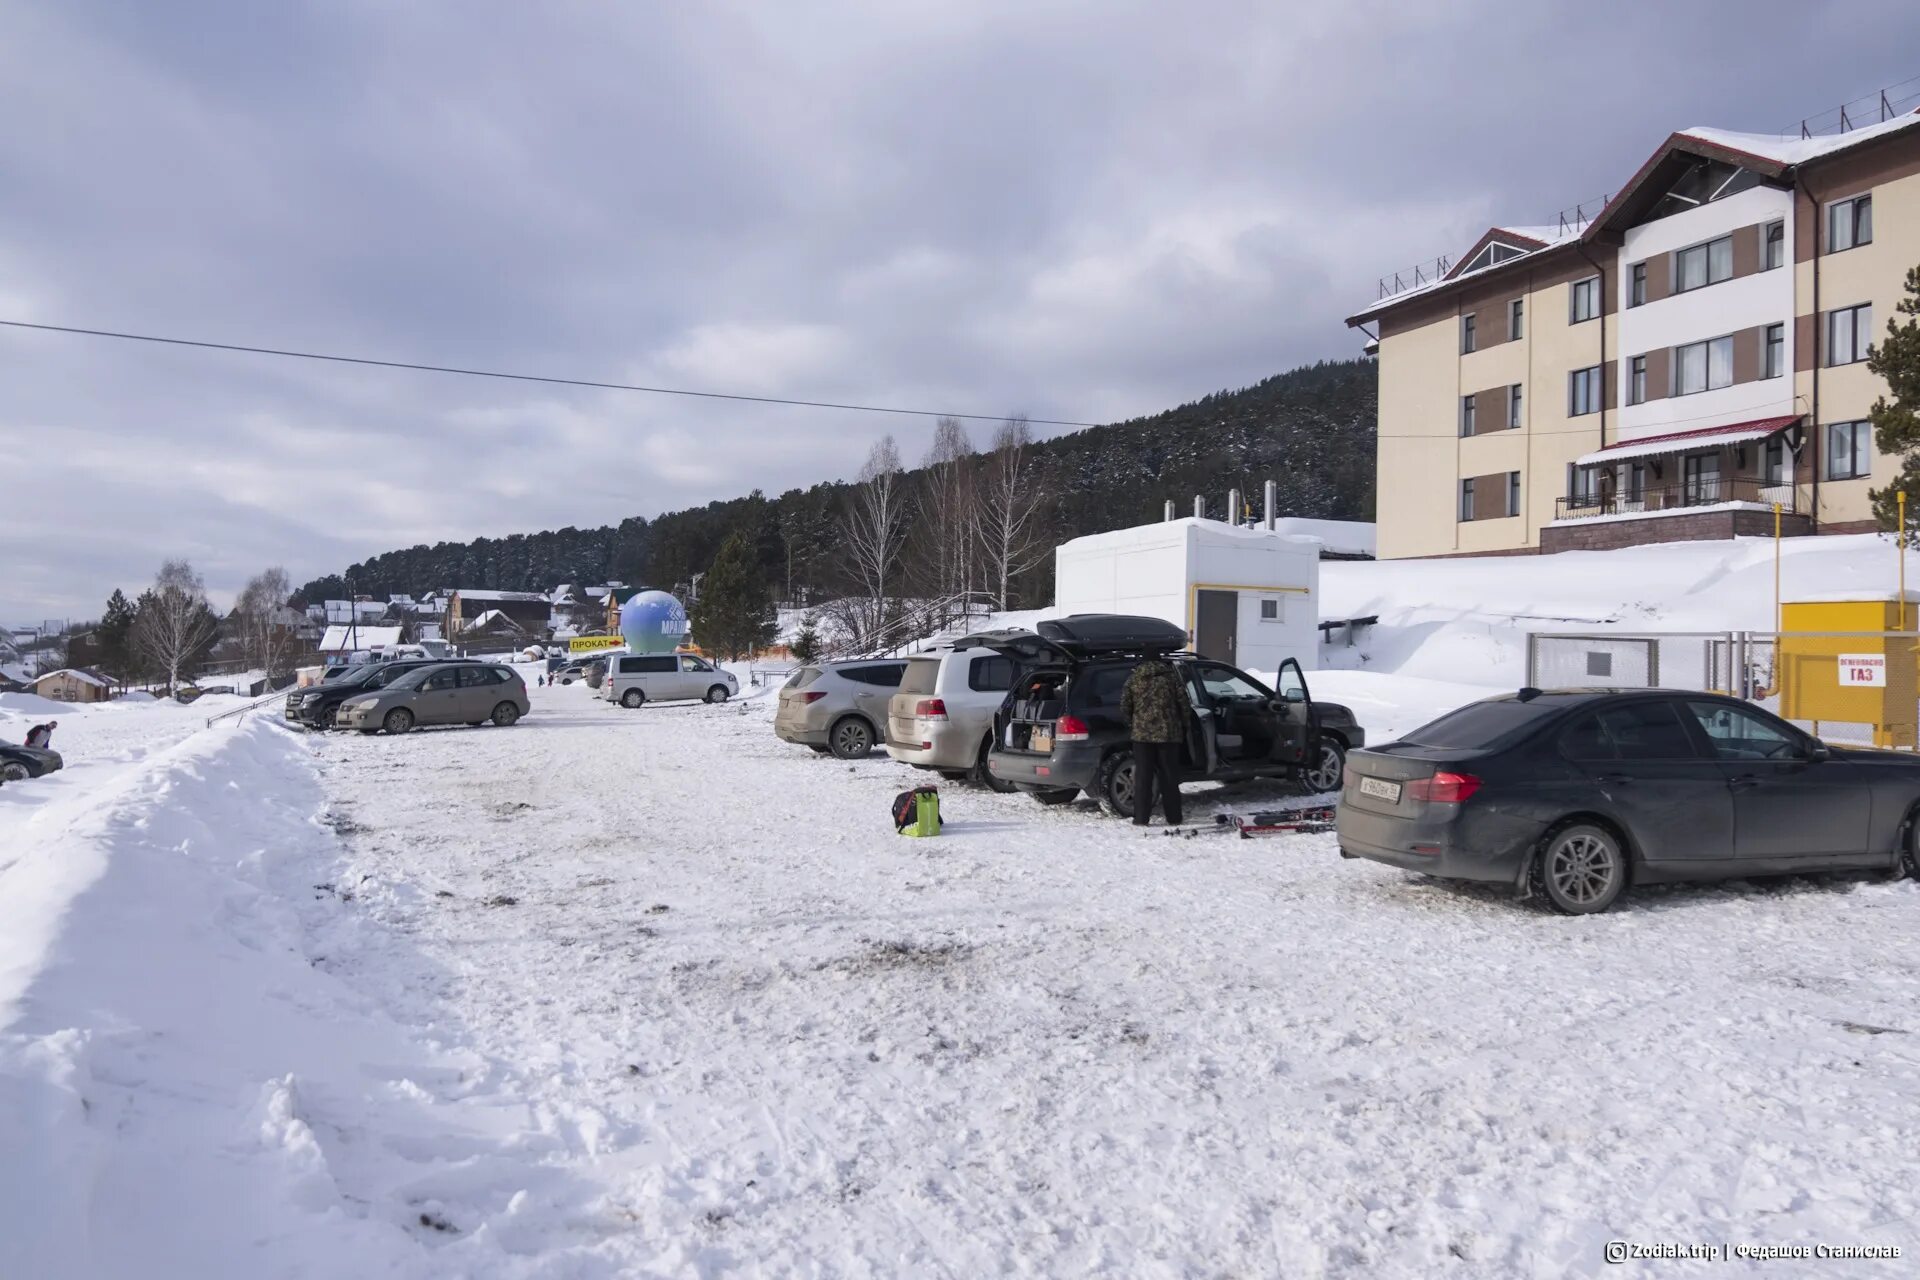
1093 633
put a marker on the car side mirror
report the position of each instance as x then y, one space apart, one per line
1293 695
1818 751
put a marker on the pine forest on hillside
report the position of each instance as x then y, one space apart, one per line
1310 429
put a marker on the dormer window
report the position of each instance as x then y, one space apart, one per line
1495 252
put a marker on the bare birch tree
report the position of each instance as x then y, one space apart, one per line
266 637
174 624
947 528
1009 508
874 526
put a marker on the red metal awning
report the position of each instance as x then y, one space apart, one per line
1684 441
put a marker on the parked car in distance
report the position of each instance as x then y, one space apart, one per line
470 693
1578 794
838 707
316 705
942 716
1060 731
18 763
634 680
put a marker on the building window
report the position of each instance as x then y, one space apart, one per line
1513 406
1703 264
1466 499
1777 468
1775 363
1849 223
1637 380
1583 391
1466 334
1638 296
1516 319
1513 493
1847 450
1702 366
1849 330
1583 300
1775 252
1466 415
1270 611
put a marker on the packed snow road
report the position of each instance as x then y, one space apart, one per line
618 993
761 1032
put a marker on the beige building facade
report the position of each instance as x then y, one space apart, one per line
1673 369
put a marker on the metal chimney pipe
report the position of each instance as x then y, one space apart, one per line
1273 504
1199 506
1233 506
1169 516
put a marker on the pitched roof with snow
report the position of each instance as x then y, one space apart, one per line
83 674
482 597
1773 155
340 638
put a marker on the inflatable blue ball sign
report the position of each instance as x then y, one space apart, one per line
653 622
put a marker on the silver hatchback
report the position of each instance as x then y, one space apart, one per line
467 693
838 707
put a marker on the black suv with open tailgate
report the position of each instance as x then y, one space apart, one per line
1060 731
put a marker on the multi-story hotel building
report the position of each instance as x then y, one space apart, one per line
1670 370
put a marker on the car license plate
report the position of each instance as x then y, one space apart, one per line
1040 741
1380 789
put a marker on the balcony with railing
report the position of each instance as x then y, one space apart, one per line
1673 499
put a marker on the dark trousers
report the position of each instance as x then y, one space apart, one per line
1153 769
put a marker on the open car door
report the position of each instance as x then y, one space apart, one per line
1296 735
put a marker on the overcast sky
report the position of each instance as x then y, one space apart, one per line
1073 210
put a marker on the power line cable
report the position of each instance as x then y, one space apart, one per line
523 377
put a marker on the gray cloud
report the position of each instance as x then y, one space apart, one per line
1074 210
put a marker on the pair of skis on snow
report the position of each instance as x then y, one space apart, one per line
1311 820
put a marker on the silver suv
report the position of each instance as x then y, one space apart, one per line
942 717
838 706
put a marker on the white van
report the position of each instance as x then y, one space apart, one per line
633 679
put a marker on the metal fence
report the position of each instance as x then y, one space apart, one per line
1742 664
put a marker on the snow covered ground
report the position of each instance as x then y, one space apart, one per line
651 993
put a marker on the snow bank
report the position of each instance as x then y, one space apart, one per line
32 704
184 1088
1466 621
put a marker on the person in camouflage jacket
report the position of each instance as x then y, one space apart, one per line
1155 706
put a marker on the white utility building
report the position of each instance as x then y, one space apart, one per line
1245 596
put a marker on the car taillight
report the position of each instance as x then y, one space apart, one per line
815 696
1070 729
1444 788
934 709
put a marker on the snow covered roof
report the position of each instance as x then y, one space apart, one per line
1791 149
1856 596
1342 537
491 618
1186 527
1773 153
481 597
1680 441
340 638
81 674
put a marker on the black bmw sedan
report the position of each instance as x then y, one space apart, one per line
1575 794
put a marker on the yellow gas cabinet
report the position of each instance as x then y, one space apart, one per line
1870 679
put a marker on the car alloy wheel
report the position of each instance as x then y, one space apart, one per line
330 716
717 694
399 720
1583 869
13 771
1116 785
632 698
1326 772
851 739
505 714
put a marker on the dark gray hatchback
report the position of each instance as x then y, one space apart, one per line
1578 793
